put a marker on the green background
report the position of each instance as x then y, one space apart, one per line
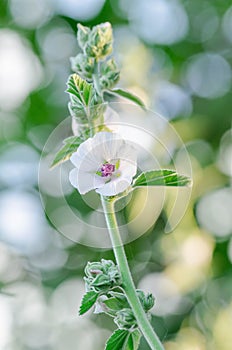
177 57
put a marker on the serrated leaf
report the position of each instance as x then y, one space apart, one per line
88 301
133 341
79 88
70 146
161 178
129 96
86 93
117 340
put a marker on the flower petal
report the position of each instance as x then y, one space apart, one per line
108 143
111 119
84 155
127 151
85 182
114 187
88 159
127 168
73 177
88 182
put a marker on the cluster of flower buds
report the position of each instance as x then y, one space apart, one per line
94 73
103 283
96 42
123 314
97 45
102 276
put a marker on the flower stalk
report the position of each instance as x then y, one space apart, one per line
107 163
127 281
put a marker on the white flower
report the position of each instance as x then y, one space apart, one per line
106 163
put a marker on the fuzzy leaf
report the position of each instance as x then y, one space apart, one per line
161 178
117 340
85 103
123 339
129 96
88 301
115 304
70 146
133 340
82 35
80 89
119 299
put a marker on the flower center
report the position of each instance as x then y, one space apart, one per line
107 169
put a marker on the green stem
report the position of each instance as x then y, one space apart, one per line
95 77
128 284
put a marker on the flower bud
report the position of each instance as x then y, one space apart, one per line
83 65
125 319
82 35
100 41
102 276
147 300
109 74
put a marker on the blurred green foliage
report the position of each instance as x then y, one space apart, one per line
176 56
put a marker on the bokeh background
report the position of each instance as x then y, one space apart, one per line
176 55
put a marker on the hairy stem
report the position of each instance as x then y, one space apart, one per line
128 284
95 77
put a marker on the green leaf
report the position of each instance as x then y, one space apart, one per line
70 146
117 340
80 89
87 93
161 178
118 301
133 340
82 35
88 301
116 304
85 103
72 140
128 95
123 339
112 303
